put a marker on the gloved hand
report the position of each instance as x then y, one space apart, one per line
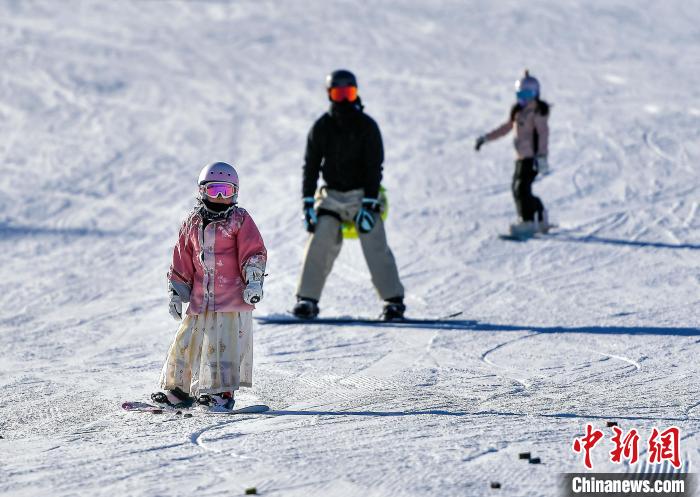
541 164
479 142
253 292
366 217
175 306
310 216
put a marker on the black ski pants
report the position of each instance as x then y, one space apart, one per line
526 203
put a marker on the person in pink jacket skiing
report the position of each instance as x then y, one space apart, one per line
529 119
218 267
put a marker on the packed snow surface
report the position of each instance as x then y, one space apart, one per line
109 109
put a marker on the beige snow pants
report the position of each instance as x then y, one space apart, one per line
324 245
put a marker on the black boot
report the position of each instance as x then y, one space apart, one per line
394 309
305 308
178 398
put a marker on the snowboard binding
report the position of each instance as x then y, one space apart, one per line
223 400
394 310
305 308
173 398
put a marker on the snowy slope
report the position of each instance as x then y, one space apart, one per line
109 109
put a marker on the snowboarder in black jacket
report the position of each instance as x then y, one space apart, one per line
345 147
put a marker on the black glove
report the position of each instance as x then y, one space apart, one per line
366 217
479 142
310 217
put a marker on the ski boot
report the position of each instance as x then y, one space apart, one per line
305 308
394 309
173 398
542 222
217 401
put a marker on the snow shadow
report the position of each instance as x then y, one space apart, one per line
473 325
611 330
14 231
435 412
442 412
617 241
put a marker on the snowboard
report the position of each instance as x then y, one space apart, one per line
524 238
154 409
513 238
289 319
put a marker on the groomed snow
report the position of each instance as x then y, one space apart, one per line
109 109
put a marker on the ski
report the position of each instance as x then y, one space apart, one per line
145 407
154 409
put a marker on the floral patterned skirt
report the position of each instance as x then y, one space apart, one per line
211 353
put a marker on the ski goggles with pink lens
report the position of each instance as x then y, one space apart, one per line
218 189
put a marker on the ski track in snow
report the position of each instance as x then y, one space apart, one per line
111 121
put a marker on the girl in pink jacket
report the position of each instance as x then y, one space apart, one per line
529 119
218 267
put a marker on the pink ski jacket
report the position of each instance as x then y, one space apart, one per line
209 263
531 129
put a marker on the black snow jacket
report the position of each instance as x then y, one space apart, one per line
345 145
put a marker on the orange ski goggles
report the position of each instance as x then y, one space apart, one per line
340 93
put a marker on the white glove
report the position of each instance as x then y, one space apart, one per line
253 292
542 164
175 307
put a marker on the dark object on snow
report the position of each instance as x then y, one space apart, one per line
187 415
495 484
535 460
610 424
524 455
156 411
251 491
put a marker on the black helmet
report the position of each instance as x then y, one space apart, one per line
340 77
